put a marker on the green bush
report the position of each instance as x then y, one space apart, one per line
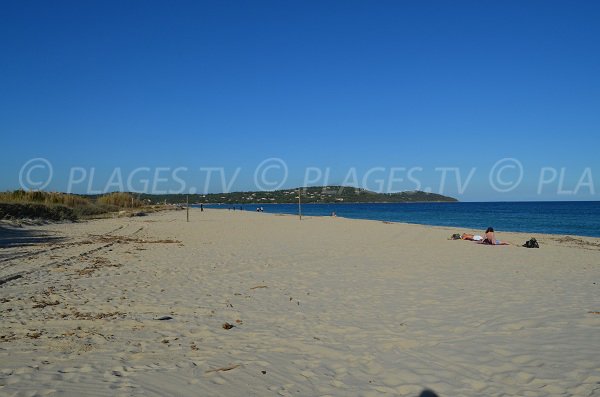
54 212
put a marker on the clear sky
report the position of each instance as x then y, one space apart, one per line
365 89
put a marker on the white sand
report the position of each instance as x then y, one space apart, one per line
327 306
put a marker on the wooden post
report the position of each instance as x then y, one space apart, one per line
299 204
187 207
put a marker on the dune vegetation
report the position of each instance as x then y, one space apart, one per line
19 204
119 199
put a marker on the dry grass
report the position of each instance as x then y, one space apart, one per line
121 200
22 196
56 206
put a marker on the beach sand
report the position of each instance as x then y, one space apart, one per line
319 307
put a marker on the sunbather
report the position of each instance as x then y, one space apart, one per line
490 238
471 237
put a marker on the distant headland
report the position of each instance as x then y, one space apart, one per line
314 194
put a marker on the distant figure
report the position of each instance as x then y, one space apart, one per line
257 209
201 207
490 238
241 208
262 209
333 214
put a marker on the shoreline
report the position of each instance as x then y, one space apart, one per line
451 229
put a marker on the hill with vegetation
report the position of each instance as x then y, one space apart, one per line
320 194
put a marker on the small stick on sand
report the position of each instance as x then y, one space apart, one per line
223 369
260 286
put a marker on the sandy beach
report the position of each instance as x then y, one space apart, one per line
243 303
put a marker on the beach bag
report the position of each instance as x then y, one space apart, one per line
532 243
455 236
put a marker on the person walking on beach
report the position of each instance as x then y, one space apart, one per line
201 207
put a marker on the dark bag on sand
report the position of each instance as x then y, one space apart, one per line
455 236
531 244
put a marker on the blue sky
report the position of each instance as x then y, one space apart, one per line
348 86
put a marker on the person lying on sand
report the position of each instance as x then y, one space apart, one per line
490 238
471 237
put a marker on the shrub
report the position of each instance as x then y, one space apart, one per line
36 196
36 211
121 200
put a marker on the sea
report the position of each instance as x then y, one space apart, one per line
553 217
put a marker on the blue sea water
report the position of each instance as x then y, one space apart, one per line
553 217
